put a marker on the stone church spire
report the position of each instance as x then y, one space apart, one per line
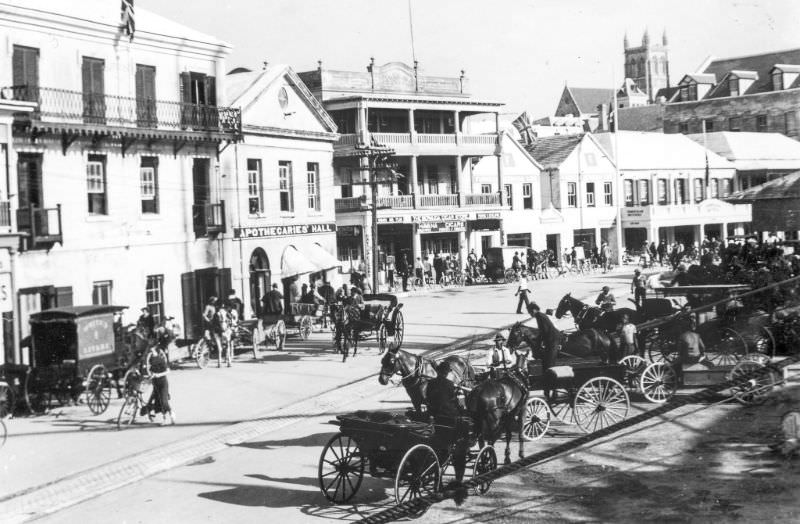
646 38
664 41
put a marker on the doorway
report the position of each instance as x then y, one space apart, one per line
260 279
486 243
552 243
29 180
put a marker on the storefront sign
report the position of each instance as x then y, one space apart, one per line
450 226
282 231
348 231
482 216
634 213
391 220
439 218
484 225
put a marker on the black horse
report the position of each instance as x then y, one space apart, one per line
496 406
344 317
416 371
584 343
587 316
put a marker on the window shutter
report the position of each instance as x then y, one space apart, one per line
86 71
191 308
186 88
18 66
211 91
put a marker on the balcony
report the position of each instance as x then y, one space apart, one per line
396 202
420 142
41 226
454 200
482 199
208 219
60 106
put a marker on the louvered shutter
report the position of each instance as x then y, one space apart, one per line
211 91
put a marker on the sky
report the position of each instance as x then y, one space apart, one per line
520 52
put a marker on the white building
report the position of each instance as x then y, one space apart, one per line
115 190
279 185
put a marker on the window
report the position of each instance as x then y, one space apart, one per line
148 183
519 239
96 184
453 180
733 86
628 189
761 123
608 193
154 297
644 192
692 91
709 124
590 194
509 196
661 185
698 190
94 99
101 293
146 115
714 188
790 122
735 123
726 186
590 159
777 81
25 75
255 186
527 196
486 189
572 194
285 185
198 94
683 127
312 184
680 191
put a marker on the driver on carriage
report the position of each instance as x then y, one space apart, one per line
454 424
551 337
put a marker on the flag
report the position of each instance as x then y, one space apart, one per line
128 24
523 125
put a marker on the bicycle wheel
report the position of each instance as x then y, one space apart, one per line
128 411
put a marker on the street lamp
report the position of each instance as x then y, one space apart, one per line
380 169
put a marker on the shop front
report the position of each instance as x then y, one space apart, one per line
443 234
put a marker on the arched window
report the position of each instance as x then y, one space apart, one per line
259 279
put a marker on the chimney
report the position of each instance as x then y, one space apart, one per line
603 120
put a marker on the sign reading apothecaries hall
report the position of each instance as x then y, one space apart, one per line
283 231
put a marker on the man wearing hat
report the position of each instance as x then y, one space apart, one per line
500 356
638 288
606 299
446 409
146 323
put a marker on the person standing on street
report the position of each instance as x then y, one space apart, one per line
209 311
157 367
605 256
661 251
419 271
221 328
438 266
627 337
402 270
639 288
522 292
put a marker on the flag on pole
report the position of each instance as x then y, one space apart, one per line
523 124
128 24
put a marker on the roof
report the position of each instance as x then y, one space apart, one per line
783 188
701 78
588 98
72 312
667 92
642 118
553 150
752 151
761 63
648 151
788 68
752 75
108 13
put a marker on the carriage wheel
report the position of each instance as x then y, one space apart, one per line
535 419
764 342
399 329
381 339
658 382
756 389
509 276
418 476
485 462
98 392
131 381
634 365
341 469
306 327
599 403
8 400
729 349
128 411
661 350
202 353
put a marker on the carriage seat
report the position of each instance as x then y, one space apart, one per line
561 372
657 307
372 312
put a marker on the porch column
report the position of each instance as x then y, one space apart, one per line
413 174
411 128
462 249
652 233
723 234
457 127
460 176
698 233
416 242
362 124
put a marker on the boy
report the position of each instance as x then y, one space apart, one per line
628 344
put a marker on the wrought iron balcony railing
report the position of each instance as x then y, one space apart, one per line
43 226
75 107
209 219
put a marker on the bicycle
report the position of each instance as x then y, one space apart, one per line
137 387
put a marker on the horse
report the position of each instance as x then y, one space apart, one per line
497 405
587 317
584 343
345 317
416 371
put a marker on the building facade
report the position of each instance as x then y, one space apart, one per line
434 205
278 186
115 191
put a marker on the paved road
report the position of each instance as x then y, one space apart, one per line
67 442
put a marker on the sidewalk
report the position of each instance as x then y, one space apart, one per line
67 456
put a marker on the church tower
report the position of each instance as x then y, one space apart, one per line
648 64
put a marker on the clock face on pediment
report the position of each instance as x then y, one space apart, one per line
283 98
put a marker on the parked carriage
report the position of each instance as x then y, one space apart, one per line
380 318
302 319
417 455
499 263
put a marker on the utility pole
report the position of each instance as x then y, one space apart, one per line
380 169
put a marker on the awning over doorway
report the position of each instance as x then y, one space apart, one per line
293 263
321 258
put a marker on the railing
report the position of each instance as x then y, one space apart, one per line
437 200
392 138
481 199
347 140
349 204
43 226
209 219
5 213
60 105
488 140
396 202
426 138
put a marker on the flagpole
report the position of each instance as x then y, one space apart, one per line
708 174
618 220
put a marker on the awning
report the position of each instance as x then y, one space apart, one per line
321 258
293 263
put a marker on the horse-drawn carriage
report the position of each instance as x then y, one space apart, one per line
416 454
381 317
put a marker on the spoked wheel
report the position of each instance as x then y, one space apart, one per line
730 348
561 405
764 342
417 476
658 382
98 391
306 327
485 462
131 381
8 400
341 469
634 365
535 419
661 350
202 353
399 328
599 403
382 338
756 389
128 412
